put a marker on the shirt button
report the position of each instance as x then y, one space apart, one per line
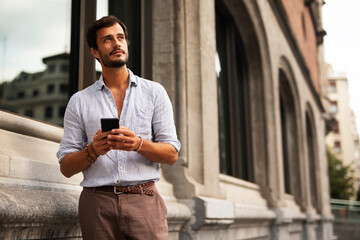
121 167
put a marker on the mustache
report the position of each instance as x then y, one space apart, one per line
116 50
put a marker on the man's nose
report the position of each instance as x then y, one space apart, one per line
117 42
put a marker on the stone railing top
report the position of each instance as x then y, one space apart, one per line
30 127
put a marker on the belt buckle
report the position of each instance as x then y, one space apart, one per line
116 192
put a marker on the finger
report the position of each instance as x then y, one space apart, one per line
116 131
101 149
100 143
121 146
123 131
122 138
101 135
123 143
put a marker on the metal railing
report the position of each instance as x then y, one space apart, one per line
345 210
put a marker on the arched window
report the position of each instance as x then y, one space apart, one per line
232 97
285 150
289 133
311 149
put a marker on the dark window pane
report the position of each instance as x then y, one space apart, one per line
52 68
61 112
35 93
48 112
232 97
336 127
311 146
286 167
129 11
50 89
29 113
64 88
224 126
21 95
65 68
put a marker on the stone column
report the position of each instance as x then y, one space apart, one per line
184 53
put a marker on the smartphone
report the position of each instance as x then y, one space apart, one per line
107 124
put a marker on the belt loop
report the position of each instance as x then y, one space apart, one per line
93 191
141 189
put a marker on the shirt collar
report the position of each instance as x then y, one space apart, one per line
133 81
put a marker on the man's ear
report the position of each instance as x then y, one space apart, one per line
94 53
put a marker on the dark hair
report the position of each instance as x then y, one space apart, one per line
103 22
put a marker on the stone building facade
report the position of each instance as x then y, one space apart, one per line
245 79
42 95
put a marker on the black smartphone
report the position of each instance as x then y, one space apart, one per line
107 124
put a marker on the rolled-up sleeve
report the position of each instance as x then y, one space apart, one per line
163 120
74 133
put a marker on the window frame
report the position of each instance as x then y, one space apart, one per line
332 86
334 107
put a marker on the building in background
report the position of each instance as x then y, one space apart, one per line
343 140
42 95
246 80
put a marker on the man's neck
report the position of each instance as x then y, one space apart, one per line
116 78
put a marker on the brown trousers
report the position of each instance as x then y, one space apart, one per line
105 215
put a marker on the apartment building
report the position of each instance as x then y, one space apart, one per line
41 95
343 140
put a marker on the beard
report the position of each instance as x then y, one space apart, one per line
105 59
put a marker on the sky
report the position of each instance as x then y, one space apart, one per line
342 45
28 33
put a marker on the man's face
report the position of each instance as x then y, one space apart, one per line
112 47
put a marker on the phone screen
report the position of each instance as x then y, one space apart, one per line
107 124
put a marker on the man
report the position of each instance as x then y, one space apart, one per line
119 199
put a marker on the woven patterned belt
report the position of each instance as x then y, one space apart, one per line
134 189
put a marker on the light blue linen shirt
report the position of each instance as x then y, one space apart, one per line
147 111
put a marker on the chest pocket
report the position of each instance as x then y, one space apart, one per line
143 123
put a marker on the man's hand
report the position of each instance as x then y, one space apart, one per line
122 139
126 140
99 143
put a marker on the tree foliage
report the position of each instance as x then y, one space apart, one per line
341 178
